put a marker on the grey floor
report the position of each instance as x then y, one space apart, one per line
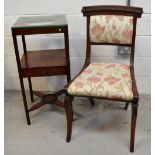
100 130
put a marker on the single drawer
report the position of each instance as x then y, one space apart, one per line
39 30
47 71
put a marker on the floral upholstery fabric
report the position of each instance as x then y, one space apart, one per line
103 80
111 29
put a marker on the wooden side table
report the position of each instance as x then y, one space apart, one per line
41 62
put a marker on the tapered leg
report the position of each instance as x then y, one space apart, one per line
72 116
126 105
25 102
72 98
133 125
69 116
92 102
30 88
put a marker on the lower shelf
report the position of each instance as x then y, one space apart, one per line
44 58
44 63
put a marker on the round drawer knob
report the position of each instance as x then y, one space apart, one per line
59 30
44 71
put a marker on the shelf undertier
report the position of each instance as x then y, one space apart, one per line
43 58
44 63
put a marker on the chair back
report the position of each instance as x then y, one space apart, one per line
111 25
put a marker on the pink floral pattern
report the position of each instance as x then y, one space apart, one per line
127 34
97 31
94 79
111 29
79 84
103 80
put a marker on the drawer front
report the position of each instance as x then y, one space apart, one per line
38 72
39 30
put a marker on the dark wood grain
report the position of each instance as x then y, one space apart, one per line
112 44
44 63
69 116
43 58
133 125
112 9
66 41
41 63
134 86
39 30
29 79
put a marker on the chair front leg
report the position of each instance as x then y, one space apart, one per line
133 124
69 116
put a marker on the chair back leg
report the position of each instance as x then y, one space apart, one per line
92 102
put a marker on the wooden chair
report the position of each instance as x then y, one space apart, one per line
107 25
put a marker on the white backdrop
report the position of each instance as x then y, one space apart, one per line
77 34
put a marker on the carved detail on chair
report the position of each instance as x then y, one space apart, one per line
112 9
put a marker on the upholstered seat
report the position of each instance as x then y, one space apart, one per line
107 80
